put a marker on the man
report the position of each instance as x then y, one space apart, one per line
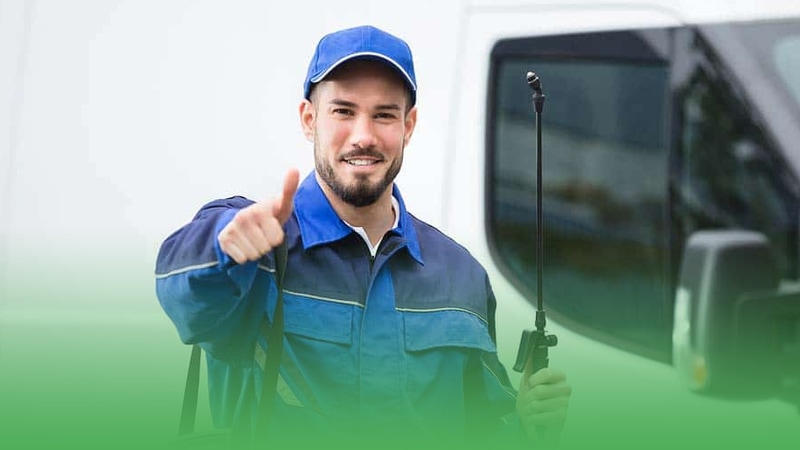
389 324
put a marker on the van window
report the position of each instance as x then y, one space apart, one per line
787 64
730 175
605 169
648 137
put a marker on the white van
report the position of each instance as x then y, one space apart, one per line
671 196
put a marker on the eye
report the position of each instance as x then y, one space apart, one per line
385 116
342 112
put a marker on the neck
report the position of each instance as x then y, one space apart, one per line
376 219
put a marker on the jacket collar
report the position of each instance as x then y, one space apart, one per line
319 224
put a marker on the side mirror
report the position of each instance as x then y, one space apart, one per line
721 270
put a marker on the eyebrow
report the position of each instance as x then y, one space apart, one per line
349 104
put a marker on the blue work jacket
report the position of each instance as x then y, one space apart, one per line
401 343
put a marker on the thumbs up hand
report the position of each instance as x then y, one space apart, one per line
255 230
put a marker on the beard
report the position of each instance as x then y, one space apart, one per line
362 192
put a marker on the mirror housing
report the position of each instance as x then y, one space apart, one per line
723 273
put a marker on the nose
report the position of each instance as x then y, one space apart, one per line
363 133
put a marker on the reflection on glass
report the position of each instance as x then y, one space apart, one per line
787 63
728 179
604 183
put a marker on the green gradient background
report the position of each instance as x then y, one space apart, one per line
110 385
113 378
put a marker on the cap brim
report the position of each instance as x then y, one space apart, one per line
366 55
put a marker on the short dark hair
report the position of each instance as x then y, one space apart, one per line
408 94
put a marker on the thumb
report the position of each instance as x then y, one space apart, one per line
526 374
283 204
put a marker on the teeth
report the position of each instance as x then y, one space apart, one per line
360 162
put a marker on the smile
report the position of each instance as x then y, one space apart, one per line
361 162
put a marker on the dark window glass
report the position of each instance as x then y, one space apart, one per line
604 192
729 176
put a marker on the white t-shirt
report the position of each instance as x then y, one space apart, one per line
361 232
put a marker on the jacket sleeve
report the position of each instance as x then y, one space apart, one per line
494 415
202 290
490 397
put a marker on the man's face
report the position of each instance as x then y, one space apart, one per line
359 125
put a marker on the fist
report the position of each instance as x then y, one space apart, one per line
542 402
255 230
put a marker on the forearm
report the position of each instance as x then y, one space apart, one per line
200 288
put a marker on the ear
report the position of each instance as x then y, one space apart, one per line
308 116
410 123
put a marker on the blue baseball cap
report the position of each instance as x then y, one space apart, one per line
364 42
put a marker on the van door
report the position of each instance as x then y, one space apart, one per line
611 143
